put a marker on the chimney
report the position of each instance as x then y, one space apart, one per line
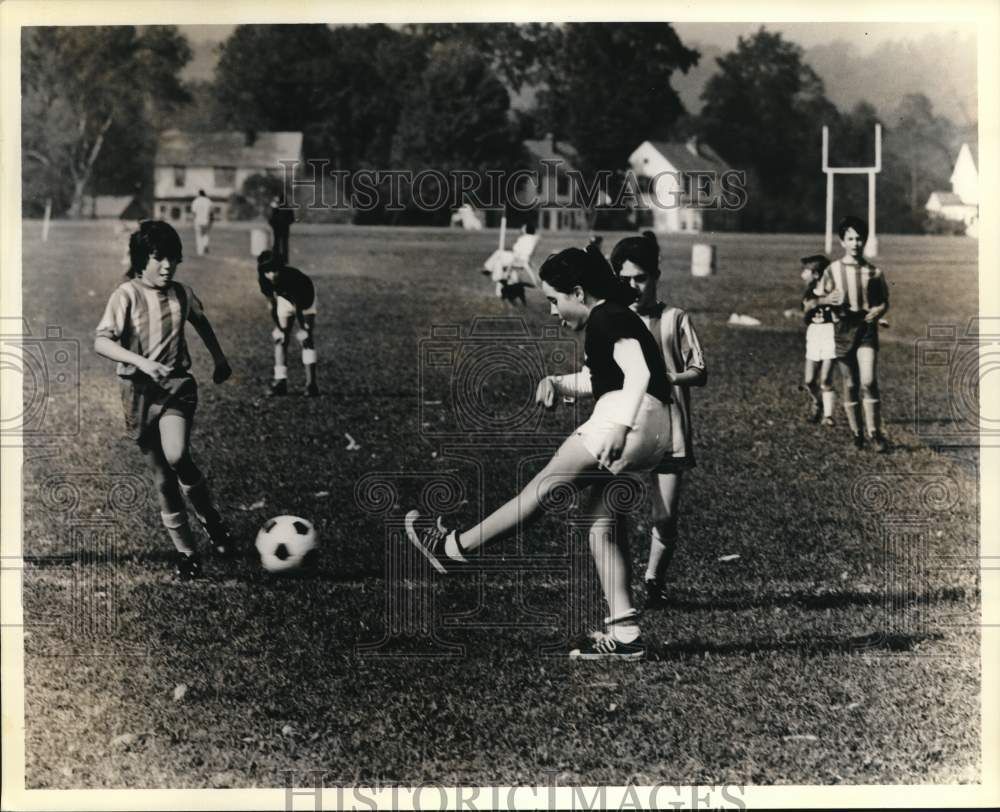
692 145
551 140
249 138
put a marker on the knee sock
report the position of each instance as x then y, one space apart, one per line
873 423
853 417
178 530
280 372
829 398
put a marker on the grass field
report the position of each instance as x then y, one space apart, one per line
840 647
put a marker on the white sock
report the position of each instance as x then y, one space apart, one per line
452 549
829 398
179 532
624 628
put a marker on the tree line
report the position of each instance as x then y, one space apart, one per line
466 96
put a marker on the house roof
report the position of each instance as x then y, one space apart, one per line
683 159
177 148
550 149
946 198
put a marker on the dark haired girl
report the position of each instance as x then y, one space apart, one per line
628 431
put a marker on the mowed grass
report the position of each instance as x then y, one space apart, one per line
840 646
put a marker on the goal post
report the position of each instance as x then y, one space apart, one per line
871 247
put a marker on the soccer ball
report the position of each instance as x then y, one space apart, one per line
286 543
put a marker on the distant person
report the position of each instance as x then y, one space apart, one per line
293 298
861 291
280 218
821 347
201 208
159 394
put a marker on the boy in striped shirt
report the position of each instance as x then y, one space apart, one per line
143 330
861 292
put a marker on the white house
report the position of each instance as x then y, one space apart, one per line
219 163
673 176
962 202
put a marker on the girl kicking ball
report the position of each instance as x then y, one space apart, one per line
628 431
636 260
143 330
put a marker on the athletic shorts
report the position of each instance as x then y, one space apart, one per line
649 441
145 402
286 310
854 332
821 344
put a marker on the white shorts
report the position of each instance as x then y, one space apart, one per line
820 344
645 445
286 309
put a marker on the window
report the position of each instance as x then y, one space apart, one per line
225 177
180 174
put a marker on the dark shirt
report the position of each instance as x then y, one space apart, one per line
813 311
609 322
281 218
289 283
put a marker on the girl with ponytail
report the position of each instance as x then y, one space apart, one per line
628 431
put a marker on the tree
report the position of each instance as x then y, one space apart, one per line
608 88
456 118
921 141
85 88
518 53
763 112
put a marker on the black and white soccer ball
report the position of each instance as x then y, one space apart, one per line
287 543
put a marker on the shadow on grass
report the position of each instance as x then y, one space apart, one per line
874 642
813 600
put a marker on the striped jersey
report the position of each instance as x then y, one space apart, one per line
149 321
681 351
862 284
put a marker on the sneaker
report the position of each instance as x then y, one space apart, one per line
278 388
859 440
602 646
187 567
223 545
312 391
879 443
428 537
828 421
656 595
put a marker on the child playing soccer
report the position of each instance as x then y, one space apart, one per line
861 290
636 260
143 330
293 297
629 430
821 350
